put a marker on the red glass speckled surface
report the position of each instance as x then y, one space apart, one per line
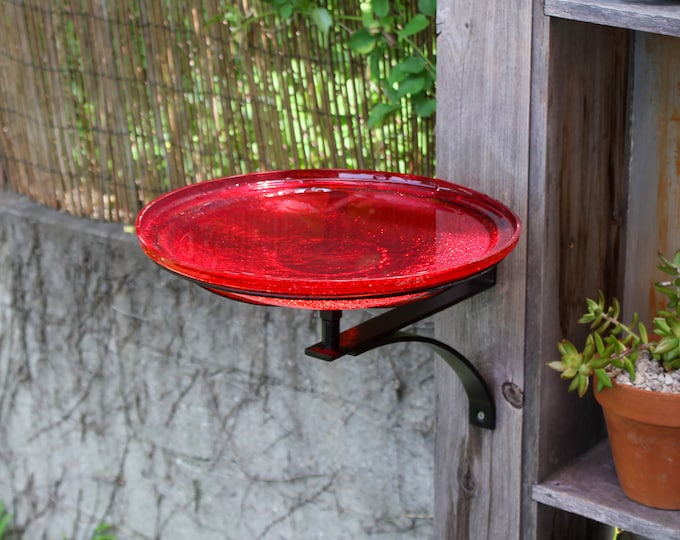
326 239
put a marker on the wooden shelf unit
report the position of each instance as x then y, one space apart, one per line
657 17
588 487
568 111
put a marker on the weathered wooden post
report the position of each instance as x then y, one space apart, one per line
567 111
484 52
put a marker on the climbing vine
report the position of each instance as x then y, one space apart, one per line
385 32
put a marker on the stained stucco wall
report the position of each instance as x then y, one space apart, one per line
132 397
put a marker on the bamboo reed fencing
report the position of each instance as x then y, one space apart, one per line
106 105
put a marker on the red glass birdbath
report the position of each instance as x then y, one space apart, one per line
332 240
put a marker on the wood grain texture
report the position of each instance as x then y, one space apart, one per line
482 134
578 196
587 204
534 111
589 487
655 16
654 222
587 153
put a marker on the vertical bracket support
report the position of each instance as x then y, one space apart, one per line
387 329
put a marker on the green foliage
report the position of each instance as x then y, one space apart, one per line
386 35
667 321
307 8
612 343
105 531
388 31
5 519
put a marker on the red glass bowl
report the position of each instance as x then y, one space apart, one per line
326 239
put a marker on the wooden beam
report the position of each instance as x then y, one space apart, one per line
654 221
483 138
577 197
659 17
533 112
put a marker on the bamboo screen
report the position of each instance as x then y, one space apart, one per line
105 105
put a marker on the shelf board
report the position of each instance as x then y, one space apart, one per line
589 487
655 16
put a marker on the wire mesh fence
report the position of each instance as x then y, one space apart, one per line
105 105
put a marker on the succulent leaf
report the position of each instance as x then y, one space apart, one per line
671 366
599 344
643 333
566 347
573 385
613 343
557 365
600 362
629 367
667 344
569 373
591 305
603 380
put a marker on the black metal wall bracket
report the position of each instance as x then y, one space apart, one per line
386 329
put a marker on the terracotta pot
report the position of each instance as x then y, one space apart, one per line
644 434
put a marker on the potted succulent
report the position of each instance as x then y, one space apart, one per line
637 381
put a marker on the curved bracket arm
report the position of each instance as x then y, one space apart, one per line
482 411
386 329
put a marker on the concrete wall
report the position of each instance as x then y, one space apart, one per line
133 397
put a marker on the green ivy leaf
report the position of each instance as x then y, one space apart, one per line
411 85
362 41
374 63
417 24
286 11
380 8
428 7
368 20
429 80
386 24
409 66
380 113
322 18
426 107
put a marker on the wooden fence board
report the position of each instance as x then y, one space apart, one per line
577 200
541 125
654 221
483 119
661 17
